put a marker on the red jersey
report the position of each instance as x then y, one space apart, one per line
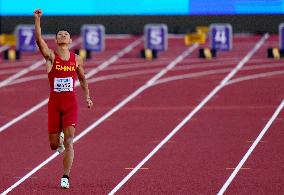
63 74
62 104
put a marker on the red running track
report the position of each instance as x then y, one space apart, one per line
197 160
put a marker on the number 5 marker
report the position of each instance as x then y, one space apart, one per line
156 37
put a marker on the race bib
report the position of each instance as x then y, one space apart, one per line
63 84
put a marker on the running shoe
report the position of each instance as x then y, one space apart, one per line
64 183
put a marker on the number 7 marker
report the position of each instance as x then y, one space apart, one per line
25 34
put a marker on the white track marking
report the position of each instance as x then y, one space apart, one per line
88 75
263 66
138 91
93 80
192 75
169 79
17 64
212 72
173 78
8 71
243 160
137 65
21 73
114 58
216 64
26 79
25 114
30 173
108 114
255 76
245 59
191 114
123 75
30 68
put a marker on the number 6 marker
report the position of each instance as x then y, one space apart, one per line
93 37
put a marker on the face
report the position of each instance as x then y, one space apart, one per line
63 37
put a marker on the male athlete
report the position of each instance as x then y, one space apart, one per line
62 67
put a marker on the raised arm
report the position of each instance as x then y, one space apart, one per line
83 81
43 47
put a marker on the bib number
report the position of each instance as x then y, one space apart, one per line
63 84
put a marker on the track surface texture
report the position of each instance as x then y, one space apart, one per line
174 125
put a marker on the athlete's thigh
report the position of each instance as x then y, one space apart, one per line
54 119
69 117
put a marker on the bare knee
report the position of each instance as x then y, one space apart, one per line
68 143
68 137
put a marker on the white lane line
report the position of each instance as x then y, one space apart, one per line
255 76
26 79
8 71
191 114
137 65
212 72
123 75
241 163
21 73
25 114
4 47
138 91
17 64
245 59
114 58
224 64
88 75
30 173
192 75
173 78
108 114
30 68
93 80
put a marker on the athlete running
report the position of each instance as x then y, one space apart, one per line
62 67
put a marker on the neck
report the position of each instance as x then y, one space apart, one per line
63 48
63 51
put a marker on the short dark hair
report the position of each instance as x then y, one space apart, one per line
62 29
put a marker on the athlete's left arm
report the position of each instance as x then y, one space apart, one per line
83 81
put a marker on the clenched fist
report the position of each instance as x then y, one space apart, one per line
37 13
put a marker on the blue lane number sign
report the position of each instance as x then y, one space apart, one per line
25 37
221 37
93 37
156 36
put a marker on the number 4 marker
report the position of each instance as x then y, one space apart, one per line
221 37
